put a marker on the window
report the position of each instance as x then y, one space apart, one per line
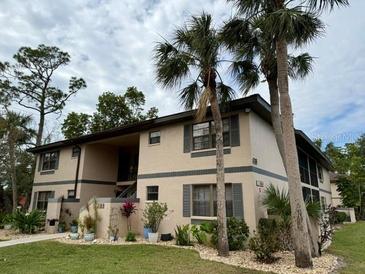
205 200
42 200
308 169
323 203
204 135
320 173
313 172
152 193
155 137
303 167
75 151
310 195
71 193
49 160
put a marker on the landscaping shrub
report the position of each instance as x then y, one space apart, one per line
28 222
199 234
340 217
182 234
153 215
265 242
131 237
89 223
237 231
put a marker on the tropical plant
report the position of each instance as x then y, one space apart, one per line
28 222
197 50
153 214
199 234
182 235
277 203
265 242
128 208
284 20
15 131
131 237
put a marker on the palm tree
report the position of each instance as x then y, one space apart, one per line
15 131
255 54
196 50
284 19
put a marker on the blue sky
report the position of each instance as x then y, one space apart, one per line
111 44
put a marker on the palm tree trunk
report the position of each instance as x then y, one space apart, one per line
223 248
13 173
299 224
276 122
275 117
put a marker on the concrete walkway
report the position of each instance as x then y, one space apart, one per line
32 239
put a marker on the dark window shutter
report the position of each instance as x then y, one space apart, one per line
237 198
187 138
40 162
35 198
186 200
57 160
235 131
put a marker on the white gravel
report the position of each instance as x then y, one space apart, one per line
327 263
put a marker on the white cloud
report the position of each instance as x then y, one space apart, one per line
111 44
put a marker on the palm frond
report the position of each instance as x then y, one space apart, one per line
246 74
224 93
300 66
189 96
203 104
320 5
172 65
277 202
294 24
313 209
249 7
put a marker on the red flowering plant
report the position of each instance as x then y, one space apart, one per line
128 208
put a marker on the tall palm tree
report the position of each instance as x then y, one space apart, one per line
196 50
255 53
15 131
284 19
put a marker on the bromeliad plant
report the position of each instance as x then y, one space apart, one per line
128 208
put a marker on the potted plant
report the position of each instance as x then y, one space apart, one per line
89 223
146 229
153 214
113 233
128 208
61 227
74 226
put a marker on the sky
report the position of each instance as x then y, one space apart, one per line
111 46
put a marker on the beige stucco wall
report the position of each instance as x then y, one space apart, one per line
168 155
101 163
171 192
336 197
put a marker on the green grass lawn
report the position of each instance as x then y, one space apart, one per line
349 243
54 257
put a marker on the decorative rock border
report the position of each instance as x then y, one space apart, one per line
327 263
